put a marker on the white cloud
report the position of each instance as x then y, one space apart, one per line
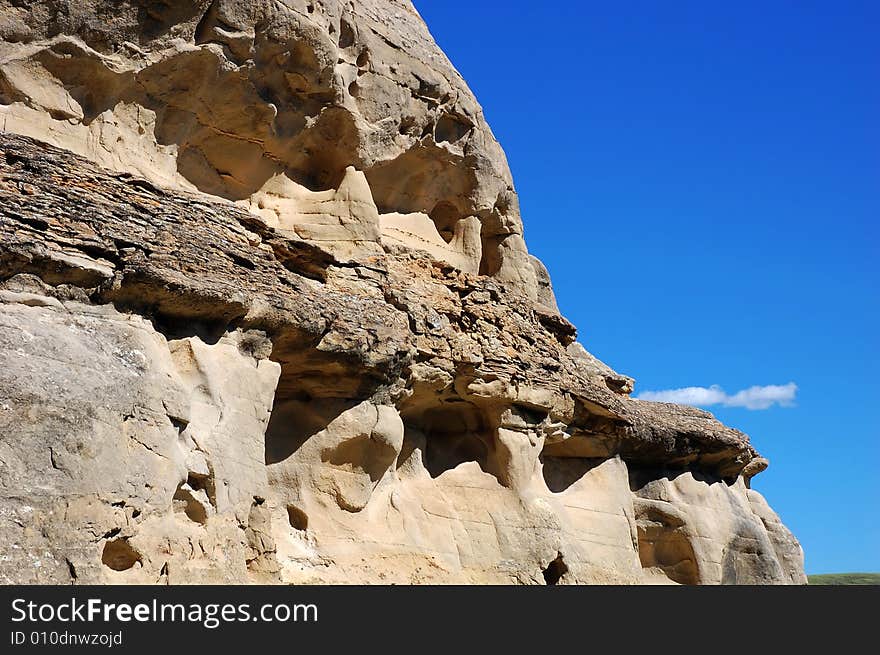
752 398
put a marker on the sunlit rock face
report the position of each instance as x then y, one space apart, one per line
267 315
272 104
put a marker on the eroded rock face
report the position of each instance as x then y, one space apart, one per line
267 315
270 103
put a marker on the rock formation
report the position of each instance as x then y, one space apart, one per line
267 315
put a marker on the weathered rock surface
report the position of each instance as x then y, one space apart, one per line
267 315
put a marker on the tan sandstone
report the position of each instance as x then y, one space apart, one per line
267 315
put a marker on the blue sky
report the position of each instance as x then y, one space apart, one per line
703 182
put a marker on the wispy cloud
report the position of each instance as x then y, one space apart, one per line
756 397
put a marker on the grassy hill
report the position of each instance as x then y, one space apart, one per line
845 578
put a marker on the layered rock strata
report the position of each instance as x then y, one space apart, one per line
267 315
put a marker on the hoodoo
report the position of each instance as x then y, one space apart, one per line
267 315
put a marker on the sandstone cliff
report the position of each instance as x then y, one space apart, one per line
267 315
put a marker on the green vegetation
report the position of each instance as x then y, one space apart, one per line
845 578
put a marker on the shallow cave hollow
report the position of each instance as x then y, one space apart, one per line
448 430
314 388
